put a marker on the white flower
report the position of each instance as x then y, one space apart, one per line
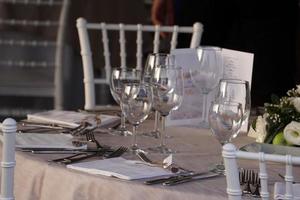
292 133
296 102
260 131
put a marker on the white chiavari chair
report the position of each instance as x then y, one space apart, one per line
9 128
231 154
83 27
32 59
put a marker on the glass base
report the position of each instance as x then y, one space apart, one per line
161 149
218 168
121 132
153 134
204 124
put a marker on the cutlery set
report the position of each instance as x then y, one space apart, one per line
104 153
182 178
182 175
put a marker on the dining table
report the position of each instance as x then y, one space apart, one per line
194 149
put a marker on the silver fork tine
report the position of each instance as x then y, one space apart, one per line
118 152
90 137
144 158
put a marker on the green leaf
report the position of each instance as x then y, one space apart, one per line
273 133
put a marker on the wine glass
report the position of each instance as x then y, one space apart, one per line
120 76
225 120
207 75
154 60
238 91
136 103
167 84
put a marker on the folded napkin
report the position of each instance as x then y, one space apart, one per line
72 118
44 140
279 190
120 168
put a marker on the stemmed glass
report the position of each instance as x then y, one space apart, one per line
120 76
167 84
154 60
238 91
207 75
136 103
225 120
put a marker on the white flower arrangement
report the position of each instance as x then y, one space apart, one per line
280 123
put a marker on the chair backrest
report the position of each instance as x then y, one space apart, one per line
83 26
231 154
9 128
32 46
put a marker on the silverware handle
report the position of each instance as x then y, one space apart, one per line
159 180
189 179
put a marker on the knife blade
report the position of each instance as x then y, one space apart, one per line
189 179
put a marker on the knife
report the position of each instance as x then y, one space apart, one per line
189 179
172 178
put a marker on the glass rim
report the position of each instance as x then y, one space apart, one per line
233 80
208 47
170 66
125 68
227 103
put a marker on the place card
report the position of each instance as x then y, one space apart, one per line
236 65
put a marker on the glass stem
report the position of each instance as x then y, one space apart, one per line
204 107
134 143
123 120
156 120
163 132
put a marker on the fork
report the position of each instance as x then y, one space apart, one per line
147 160
117 153
250 178
91 137
79 157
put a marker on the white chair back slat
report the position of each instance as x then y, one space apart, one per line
122 29
122 42
197 34
233 186
106 54
86 54
148 28
156 39
174 38
139 46
289 178
230 155
9 128
263 175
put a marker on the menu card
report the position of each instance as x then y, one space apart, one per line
236 65
72 119
120 168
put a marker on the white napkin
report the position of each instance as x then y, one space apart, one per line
120 168
44 140
72 118
279 190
